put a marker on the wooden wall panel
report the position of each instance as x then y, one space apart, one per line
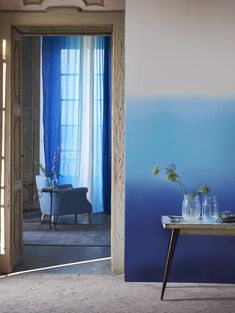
17 229
118 166
17 72
16 169
17 148
30 116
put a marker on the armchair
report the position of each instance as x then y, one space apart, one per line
43 197
71 201
66 201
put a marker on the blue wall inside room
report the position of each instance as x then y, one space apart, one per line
198 135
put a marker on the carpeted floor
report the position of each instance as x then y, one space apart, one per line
65 288
73 293
68 244
68 235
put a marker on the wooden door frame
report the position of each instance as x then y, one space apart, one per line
16 158
117 196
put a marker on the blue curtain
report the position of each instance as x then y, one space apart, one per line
77 112
51 97
107 126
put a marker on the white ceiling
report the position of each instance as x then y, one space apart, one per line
42 5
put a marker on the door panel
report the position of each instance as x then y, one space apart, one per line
17 240
17 146
16 171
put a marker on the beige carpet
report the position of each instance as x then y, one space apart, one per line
73 293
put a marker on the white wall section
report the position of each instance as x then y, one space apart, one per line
180 48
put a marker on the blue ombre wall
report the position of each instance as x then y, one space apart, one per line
180 108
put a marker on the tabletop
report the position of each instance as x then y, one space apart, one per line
198 227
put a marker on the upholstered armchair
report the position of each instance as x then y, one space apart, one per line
65 201
71 201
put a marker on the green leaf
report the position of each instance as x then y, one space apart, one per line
156 170
204 189
172 176
41 167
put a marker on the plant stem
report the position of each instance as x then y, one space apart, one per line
163 168
184 191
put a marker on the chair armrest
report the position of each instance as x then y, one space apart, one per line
65 186
72 201
80 190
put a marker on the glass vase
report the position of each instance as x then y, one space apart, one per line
48 182
210 209
54 182
191 208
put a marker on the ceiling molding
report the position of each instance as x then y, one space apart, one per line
65 30
93 2
32 2
68 7
86 2
43 5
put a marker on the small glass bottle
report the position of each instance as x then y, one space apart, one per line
191 208
210 209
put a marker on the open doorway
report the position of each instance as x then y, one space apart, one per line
70 242
15 27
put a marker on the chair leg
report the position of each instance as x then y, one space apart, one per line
89 218
52 219
75 218
42 218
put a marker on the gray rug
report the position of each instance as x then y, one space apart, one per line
68 235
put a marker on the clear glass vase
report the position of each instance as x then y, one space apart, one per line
54 182
210 208
191 208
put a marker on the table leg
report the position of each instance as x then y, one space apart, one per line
51 211
170 254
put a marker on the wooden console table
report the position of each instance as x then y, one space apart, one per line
179 227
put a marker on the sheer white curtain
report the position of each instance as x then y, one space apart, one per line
82 115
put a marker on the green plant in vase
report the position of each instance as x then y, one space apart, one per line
191 204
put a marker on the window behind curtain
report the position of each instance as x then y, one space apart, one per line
74 85
70 104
